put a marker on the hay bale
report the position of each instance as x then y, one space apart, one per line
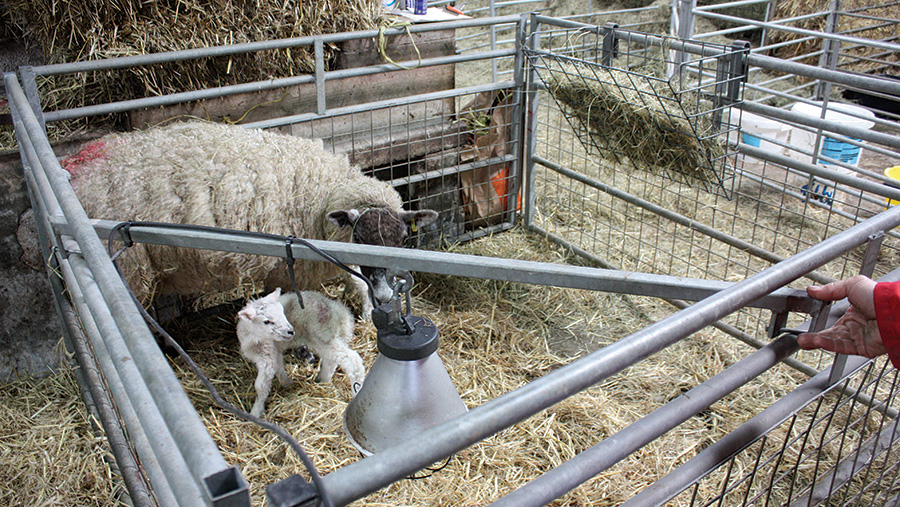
75 31
638 117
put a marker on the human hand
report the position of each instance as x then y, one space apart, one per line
856 332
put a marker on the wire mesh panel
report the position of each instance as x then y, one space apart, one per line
834 448
838 449
636 217
634 101
455 153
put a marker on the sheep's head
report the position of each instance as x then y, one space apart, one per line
268 316
382 227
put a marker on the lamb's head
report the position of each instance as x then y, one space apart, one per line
383 227
266 317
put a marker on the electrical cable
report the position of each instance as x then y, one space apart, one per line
278 430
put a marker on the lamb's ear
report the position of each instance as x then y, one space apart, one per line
273 295
421 217
343 218
247 313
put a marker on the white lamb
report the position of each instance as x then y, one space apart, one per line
269 326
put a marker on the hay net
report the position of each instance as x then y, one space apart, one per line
635 101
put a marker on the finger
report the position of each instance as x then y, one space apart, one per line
828 292
829 342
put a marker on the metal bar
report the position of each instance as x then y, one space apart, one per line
193 440
319 51
755 60
270 84
590 462
728 5
802 31
249 47
365 476
677 303
161 488
453 264
531 131
381 104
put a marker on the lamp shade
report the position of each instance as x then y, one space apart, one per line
406 391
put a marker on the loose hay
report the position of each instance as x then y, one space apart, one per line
638 117
49 453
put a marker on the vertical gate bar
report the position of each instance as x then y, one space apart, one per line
610 44
27 79
519 121
319 55
867 267
529 133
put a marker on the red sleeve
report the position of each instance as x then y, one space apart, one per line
887 313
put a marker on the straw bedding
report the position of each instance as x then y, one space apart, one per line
49 453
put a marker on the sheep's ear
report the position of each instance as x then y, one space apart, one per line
274 294
421 217
343 218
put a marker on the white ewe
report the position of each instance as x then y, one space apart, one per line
323 325
250 180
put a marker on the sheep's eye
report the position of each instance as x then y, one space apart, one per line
268 322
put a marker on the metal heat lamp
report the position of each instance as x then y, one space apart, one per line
407 390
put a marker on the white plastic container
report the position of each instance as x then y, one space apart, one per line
756 129
760 132
832 148
823 190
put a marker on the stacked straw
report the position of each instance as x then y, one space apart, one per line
863 24
95 29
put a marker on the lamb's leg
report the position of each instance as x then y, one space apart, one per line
327 366
352 366
280 372
263 385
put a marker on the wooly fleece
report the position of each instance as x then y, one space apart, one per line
223 176
326 327
323 325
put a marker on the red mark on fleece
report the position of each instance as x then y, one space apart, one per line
91 151
322 313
